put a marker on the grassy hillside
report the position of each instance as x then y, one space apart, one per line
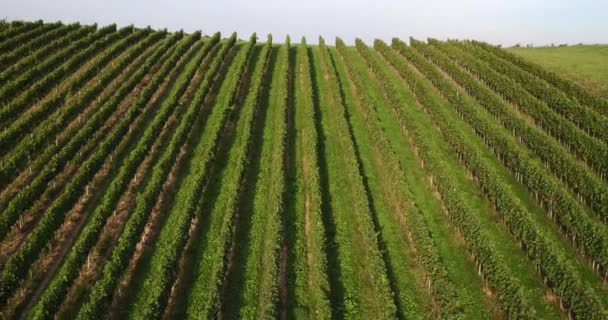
587 65
146 174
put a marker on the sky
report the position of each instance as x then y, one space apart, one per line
537 22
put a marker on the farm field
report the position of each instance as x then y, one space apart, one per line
147 174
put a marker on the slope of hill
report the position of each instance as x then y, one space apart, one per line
587 65
148 174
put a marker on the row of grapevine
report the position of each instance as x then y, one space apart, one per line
444 291
17 99
102 291
14 28
569 87
592 122
80 144
490 263
581 301
259 288
175 229
172 57
359 258
28 194
305 233
67 232
15 87
23 38
38 55
410 289
586 148
28 122
16 267
409 281
13 57
219 224
585 231
24 199
156 294
563 165
43 133
114 51
159 120
52 296
21 125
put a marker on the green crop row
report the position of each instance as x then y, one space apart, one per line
581 300
14 56
588 149
585 231
308 264
14 28
563 165
260 293
26 196
52 296
188 54
102 291
442 288
18 94
47 49
114 51
387 204
16 267
367 293
207 280
42 134
27 122
585 118
17 41
163 263
570 88
491 264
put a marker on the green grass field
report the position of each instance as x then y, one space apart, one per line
585 64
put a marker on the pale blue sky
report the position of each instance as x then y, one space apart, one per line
499 22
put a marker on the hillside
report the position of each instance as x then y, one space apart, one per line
149 174
587 65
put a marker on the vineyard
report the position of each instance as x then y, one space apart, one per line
147 174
